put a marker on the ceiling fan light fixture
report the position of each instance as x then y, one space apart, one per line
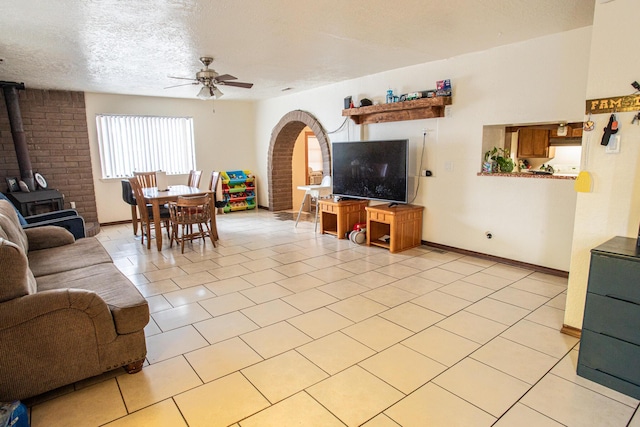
204 93
217 92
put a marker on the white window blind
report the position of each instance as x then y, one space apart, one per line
145 143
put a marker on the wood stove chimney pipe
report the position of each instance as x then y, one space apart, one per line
10 91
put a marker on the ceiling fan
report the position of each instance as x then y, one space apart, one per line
209 78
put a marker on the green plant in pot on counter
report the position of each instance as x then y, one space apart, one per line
499 160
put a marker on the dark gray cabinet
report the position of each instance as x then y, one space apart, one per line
610 343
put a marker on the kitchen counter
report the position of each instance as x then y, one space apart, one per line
530 175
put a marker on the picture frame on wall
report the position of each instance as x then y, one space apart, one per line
12 185
42 183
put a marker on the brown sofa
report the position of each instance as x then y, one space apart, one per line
66 312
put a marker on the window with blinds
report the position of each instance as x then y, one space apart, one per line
145 143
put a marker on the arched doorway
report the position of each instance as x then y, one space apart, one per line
283 139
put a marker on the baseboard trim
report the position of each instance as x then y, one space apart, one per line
538 268
570 330
115 222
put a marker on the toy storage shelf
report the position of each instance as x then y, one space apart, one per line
425 108
239 189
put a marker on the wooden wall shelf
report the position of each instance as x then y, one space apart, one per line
426 108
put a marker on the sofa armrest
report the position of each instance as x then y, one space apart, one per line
68 219
58 304
56 336
47 216
48 236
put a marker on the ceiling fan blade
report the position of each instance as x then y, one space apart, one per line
183 84
181 78
225 77
237 84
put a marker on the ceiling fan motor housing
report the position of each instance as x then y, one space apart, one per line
206 76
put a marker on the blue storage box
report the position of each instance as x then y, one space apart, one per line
13 414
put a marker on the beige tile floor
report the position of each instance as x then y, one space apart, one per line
279 326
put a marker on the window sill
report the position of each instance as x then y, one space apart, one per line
530 175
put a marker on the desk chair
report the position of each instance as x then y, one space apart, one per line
146 179
127 196
321 192
194 178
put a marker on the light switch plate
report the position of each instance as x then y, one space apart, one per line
614 144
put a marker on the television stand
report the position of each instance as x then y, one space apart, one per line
395 228
337 218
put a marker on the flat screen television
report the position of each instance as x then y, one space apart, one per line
374 170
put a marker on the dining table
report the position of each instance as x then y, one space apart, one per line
157 198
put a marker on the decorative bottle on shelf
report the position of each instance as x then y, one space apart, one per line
389 96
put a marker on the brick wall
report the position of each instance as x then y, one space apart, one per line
55 126
283 139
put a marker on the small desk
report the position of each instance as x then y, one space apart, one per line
402 223
307 189
338 218
157 198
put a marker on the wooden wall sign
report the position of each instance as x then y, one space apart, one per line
615 104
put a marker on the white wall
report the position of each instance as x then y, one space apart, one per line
224 140
298 170
540 80
613 208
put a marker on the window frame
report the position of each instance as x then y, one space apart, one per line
130 143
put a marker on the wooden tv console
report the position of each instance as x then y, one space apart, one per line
401 223
338 218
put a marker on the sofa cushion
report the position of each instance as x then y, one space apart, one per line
48 236
11 226
21 219
82 253
16 280
129 308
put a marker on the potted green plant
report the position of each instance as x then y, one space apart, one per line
498 159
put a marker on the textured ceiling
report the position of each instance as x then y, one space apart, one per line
131 47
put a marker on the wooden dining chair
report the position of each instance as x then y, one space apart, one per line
213 186
146 214
194 178
146 179
186 213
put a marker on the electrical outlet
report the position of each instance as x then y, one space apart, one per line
73 205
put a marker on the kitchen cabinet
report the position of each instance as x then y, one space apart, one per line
572 132
533 143
610 339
